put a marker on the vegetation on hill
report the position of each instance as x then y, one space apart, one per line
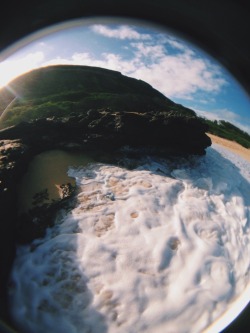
63 90
58 91
228 131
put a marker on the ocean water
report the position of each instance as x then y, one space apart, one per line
160 248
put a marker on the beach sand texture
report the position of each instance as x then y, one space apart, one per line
231 145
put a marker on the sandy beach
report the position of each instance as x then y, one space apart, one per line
231 145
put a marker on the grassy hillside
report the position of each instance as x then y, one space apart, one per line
229 131
58 91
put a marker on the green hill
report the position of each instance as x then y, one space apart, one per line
58 91
228 131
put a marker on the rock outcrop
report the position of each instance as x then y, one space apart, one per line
162 132
14 158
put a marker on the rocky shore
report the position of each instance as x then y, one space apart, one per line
109 130
161 133
14 158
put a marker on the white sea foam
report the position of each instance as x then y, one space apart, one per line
162 248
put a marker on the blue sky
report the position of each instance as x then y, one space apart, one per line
178 69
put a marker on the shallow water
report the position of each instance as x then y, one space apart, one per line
48 170
161 248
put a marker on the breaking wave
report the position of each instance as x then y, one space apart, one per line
163 247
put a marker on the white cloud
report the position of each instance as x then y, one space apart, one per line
227 115
218 114
152 51
108 60
177 44
180 75
245 128
122 32
177 75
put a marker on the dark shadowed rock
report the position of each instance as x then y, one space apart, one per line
93 107
110 130
14 158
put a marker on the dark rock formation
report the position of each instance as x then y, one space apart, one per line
109 130
93 107
14 158
33 224
56 91
105 130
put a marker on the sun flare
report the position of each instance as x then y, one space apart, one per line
13 67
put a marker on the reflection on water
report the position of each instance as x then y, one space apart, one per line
48 170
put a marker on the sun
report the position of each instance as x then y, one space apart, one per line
15 66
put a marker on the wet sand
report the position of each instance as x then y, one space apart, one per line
232 146
48 170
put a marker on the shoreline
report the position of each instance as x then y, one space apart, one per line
231 145
48 171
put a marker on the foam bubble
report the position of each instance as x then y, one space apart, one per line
163 247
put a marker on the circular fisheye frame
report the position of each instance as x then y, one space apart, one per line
116 132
